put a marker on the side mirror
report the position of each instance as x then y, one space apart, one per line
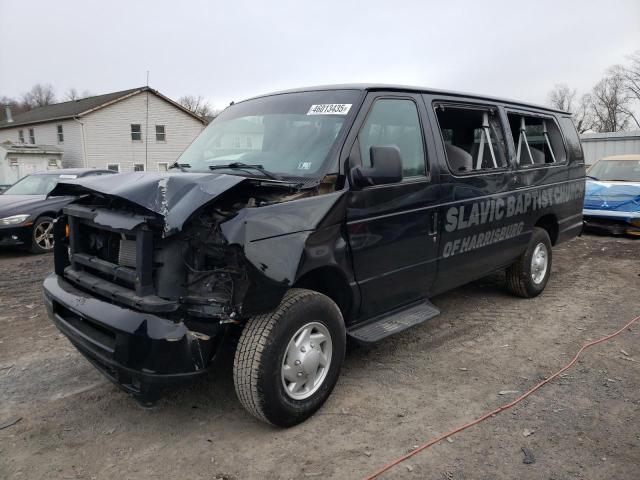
386 167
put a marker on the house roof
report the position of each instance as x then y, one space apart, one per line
77 108
30 149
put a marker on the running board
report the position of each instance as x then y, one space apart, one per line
396 321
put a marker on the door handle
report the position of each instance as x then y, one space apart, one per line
433 223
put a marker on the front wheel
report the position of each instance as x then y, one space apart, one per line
288 361
528 276
42 235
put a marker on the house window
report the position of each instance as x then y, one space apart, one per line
21 136
114 167
32 136
136 132
53 162
138 167
163 167
473 138
60 134
236 142
249 142
13 162
160 134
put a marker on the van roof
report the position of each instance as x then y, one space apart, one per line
413 89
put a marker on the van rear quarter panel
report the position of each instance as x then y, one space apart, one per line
487 217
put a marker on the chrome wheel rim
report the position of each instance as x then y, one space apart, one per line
539 263
306 361
43 235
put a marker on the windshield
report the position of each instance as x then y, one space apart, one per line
35 185
609 170
291 134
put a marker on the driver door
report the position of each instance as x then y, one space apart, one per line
393 228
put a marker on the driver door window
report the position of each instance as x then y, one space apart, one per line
394 122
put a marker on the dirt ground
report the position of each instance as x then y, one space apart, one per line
391 397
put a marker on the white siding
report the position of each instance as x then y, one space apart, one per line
46 134
596 148
108 133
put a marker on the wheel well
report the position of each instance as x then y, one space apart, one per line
47 214
550 224
331 282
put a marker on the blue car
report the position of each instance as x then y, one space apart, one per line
612 196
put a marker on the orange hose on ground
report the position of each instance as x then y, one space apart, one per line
502 408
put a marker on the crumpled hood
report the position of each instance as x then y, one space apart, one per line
174 196
613 196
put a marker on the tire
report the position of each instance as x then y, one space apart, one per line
260 374
525 278
42 235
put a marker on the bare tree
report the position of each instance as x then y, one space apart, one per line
73 94
39 96
631 76
196 104
610 103
583 114
562 97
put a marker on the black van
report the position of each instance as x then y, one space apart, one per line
301 218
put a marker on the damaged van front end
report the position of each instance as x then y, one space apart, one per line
152 269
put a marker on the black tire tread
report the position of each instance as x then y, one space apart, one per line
516 276
248 357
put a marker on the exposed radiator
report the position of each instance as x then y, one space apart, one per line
127 253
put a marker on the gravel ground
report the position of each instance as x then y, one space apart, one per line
390 398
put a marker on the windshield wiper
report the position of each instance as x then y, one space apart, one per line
182 166
592 177
246 166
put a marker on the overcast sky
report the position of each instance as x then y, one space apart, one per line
231 50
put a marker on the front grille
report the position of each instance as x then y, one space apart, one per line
103 244
109 251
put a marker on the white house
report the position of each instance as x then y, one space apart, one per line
19 159
131 130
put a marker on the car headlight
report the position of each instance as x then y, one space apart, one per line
14 219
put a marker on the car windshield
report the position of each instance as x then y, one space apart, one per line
34 185
289 135
622 170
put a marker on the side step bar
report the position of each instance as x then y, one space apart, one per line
377 328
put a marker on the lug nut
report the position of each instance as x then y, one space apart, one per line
312 345
302 349
299 374
297 362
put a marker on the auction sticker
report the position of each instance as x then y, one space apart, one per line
330 109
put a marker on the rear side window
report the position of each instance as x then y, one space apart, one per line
573 140
538 140
473 138
394 122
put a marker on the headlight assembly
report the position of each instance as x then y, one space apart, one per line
14 219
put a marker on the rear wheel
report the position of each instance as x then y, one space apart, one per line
288 361
528 276
42 235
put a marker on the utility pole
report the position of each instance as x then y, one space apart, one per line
146 133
